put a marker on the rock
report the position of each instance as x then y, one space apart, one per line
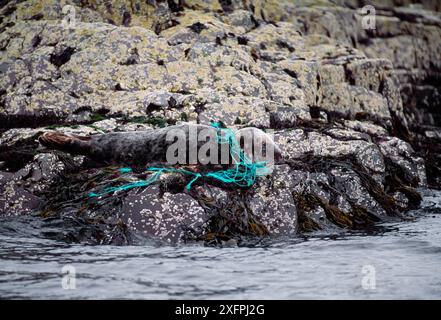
5 177
14 137
42 173
241 18
15 201
297 144
352 101
402 154
136 68
309 78
107 125
407 37
368 73
272 203
366 127
349 184
232 110
169 217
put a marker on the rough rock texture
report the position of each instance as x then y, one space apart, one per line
165 216
356 111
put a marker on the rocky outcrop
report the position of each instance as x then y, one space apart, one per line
344 102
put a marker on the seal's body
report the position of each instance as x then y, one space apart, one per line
142 147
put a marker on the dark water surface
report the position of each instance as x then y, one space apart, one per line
403 261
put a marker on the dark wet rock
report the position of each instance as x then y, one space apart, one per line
43 172
15 200
350 184
5 177
402 154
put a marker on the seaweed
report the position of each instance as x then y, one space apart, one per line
306 223
231 220
397 180
95 117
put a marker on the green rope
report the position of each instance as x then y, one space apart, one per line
242 174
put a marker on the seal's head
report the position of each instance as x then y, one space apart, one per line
259 146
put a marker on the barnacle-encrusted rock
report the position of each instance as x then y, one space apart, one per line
273 204
165 216
15 200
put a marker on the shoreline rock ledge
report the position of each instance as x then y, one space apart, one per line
356 112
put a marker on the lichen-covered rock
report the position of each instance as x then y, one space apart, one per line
13 137
405 37
233 110
297 144
69 75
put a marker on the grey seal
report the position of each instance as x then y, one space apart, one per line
151 146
